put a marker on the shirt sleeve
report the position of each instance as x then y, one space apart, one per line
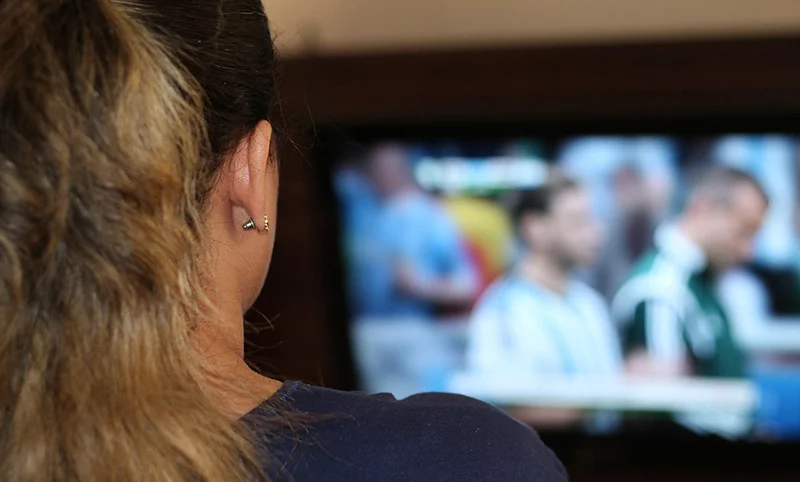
746 302
451 248
658 329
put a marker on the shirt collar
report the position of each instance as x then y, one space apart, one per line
671 241
572 286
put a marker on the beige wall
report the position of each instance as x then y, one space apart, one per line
357 25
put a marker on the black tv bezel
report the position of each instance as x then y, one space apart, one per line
669 451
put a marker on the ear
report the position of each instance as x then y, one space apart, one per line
249 163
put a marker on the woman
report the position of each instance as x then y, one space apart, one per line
138 180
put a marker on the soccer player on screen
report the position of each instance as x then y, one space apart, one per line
672 322
539 320
421 248
413 268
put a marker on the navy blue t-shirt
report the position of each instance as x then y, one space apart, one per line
352 437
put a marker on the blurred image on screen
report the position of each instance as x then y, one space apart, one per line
594 283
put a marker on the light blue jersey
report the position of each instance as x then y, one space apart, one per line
519 327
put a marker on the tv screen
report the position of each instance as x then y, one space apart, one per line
591 283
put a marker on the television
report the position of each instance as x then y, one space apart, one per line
501 264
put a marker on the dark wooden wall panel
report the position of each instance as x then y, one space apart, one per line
669 79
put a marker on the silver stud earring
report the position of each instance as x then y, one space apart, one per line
250 224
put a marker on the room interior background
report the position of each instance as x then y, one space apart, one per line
546 62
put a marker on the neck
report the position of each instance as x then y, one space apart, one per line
691 231
545 272
234 385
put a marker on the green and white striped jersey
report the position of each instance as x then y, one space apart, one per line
668 307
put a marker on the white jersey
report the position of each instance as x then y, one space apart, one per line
519 327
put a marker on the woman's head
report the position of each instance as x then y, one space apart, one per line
135 141
227 47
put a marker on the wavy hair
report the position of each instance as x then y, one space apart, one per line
114 118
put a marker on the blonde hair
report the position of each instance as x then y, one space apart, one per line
107 149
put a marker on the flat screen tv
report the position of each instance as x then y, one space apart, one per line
592 283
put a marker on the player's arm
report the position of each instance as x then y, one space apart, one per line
457 283
746 301
455 288
655 344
